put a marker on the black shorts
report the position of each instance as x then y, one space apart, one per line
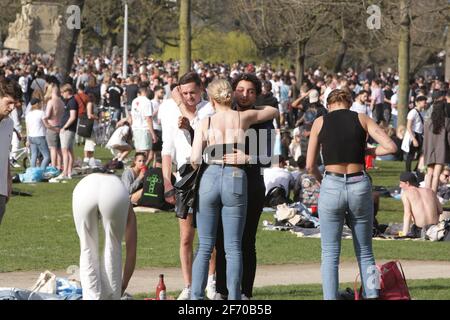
158 145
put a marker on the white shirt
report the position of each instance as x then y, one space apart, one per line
327 92
35 126
275 177
155 107
23 82
359 108
141 108
175 142
417 124
118 137
394 102
6 131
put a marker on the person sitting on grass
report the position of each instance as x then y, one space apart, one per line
421 206
133 178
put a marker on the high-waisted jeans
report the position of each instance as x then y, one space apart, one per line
222 195
340 197
39 145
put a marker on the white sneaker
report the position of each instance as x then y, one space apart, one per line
185 294
58 179
218 296
244 297
14 163
211 290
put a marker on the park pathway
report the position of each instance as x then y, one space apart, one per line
145 280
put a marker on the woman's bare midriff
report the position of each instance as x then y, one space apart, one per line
345 168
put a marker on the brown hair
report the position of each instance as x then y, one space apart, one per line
10 88
138 154
340 96
67 88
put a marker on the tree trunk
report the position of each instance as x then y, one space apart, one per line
447 56
185 36
67 44
404 65
300 61
341 56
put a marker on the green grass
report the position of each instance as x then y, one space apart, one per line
38 233
435 289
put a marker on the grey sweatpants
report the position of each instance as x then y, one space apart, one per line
2 207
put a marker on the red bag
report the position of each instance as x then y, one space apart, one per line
393 284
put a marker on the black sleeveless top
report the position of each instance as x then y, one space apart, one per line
342 137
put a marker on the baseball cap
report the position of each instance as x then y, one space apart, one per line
409 177
313 96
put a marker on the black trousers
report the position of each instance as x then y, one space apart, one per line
256 193
412 153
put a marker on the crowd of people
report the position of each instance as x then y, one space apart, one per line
312 138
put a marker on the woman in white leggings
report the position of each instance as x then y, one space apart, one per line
102 196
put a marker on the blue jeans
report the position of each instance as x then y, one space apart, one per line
222 194
352 197
39 145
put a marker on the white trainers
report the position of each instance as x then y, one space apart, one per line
60 178
185 294
14 163
244 297
211 290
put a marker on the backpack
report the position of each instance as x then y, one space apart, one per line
82 104
275 197
114 165
153 190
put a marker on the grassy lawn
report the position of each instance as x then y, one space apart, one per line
436 289
38 233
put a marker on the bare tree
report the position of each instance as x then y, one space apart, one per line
185 36
67 43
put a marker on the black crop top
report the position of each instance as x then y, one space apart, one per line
342 137
215 152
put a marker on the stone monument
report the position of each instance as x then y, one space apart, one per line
36 28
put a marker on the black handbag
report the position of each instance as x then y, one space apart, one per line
85 127
186 190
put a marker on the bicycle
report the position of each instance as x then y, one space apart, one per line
106 125
22 156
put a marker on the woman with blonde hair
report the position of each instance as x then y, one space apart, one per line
223 187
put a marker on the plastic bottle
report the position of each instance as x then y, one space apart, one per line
161 289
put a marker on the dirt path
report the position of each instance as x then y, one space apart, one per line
145 280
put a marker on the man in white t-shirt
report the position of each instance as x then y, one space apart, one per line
278 176
414 126
156 102
394 112
10 95
360 104
142 123
177 128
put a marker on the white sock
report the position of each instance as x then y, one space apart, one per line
211 278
